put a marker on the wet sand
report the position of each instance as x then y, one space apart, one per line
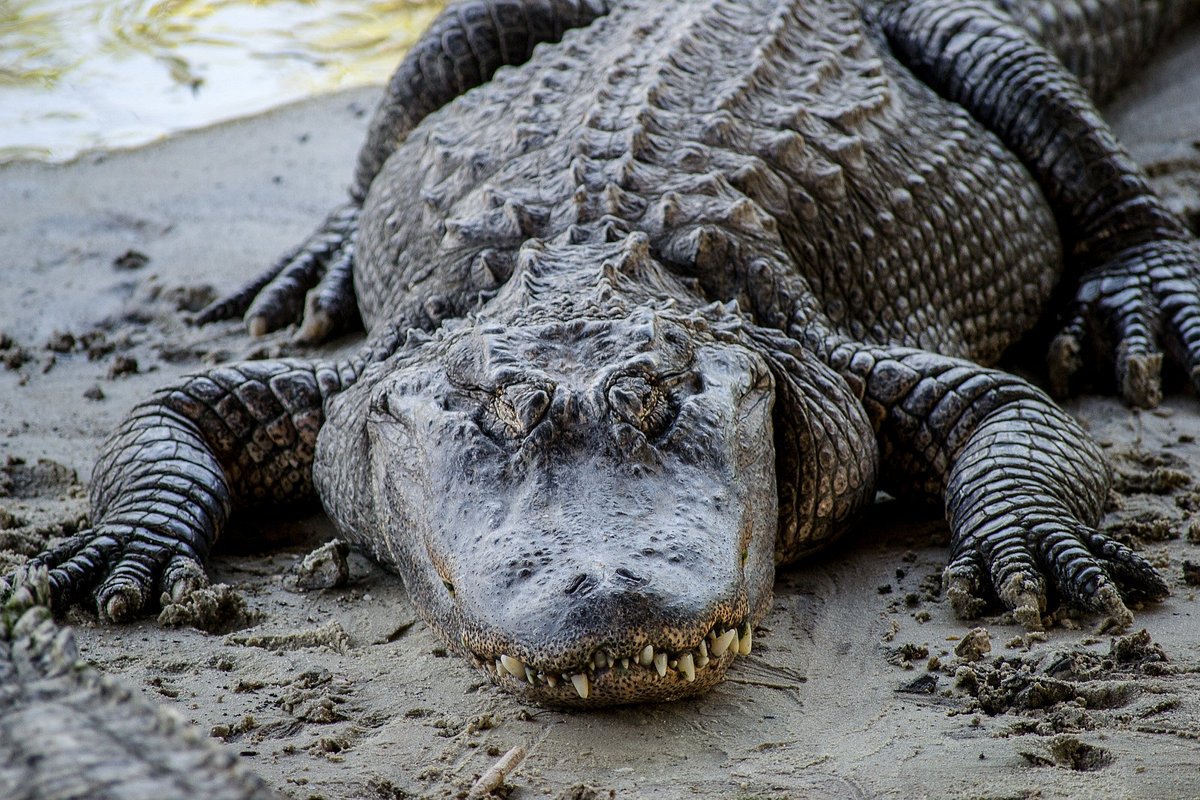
854 688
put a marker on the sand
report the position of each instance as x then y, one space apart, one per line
862 682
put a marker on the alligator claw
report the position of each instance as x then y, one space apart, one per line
1115 314
1086 568
1147 294
120 567
1175 272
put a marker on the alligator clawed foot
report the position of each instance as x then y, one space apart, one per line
312 285
1144 297
123 567
1016 557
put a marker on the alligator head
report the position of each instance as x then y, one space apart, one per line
585 509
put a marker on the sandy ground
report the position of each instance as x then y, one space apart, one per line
854 688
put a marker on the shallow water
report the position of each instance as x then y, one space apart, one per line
83 74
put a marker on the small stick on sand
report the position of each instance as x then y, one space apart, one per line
494 777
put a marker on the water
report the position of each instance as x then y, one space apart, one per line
77 75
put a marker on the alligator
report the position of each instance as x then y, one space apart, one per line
657 295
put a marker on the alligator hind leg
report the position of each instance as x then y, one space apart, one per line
274 298
462 49
1024 486
1136 267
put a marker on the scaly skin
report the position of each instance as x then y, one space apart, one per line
68 732
663 303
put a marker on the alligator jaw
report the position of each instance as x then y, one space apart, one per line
609 678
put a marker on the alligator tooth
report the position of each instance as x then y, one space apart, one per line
580 681
703 649
624 663
514 666
531 676
647 656
552 681
735 646
701 662
722 643
687 667
660 664
747 641
600 659
673 663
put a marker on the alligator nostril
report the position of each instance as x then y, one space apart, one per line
577 583
629 577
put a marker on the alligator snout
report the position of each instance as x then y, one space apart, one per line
626 608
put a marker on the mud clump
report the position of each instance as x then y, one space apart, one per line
213 609
61 342
96 344
975 645
9 520
324 568
190 298
906 654
315 696
1160 480
331 635
1137 649
1141 472
12 355
22 538
584 792
1068 751
1147 527
130 260
231 732
122 366
1062 684
45 478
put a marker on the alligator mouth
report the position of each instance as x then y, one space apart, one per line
607 677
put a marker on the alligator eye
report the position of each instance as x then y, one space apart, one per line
449 587
379 403
641 404
517 409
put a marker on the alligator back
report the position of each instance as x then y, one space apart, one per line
775 151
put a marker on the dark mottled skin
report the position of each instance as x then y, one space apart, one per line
662 302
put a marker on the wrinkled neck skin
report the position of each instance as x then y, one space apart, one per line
577 483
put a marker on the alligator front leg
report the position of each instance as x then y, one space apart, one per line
170 476
462 49
1136 266
1024 486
